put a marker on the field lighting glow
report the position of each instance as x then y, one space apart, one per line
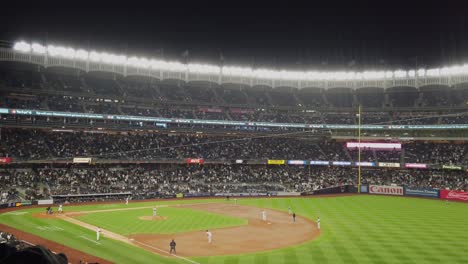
229 70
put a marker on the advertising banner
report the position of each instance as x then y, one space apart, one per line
161 125
276 162
5 160
210 110
342 163
319 162
239 161
195 161
371 145
416 165
242 111
30 112
424 192
331 190
197 194
451 167
454 195
81 160
389 164
382 189
42 202
364 189
365 164
297 162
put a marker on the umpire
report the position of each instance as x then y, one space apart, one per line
172 244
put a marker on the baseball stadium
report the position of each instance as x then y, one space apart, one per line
109 157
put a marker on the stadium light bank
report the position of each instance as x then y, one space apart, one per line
232 71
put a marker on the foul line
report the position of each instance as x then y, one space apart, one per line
164 251
121 238
90 240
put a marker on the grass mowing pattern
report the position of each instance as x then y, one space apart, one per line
355 229
179 220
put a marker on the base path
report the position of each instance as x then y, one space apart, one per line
277 232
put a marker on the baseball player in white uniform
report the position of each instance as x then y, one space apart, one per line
318 223
264 215
155 211
98 233
289 210
209 235
60 209
126 201
235 201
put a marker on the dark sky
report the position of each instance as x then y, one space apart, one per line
336 37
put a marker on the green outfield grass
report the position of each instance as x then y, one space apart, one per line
179 220
355 229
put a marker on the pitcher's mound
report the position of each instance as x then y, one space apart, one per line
149 218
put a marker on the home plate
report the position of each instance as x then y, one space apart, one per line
269 223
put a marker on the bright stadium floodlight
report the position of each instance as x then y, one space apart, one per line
113 59
156 64
138 62
433 72
95 56
133 61
81 54
232 71
454 70
446 71
203 68
237 71
464 69
359 76
400 74
313 76
175 66
58 51
38 48
373 75
291 75
265 74
325 76
421 72
22 46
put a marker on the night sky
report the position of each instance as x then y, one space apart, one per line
330 38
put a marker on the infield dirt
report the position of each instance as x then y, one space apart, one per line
277 232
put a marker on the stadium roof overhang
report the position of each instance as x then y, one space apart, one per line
93 61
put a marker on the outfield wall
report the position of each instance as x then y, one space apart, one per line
392 190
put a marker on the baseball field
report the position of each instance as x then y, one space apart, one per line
354 229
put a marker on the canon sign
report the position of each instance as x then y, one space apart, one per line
380 189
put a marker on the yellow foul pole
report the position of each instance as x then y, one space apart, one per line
359 150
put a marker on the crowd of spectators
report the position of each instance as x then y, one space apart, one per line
30 144
443 153
13 250
162 180
40 144
439 179
11 240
